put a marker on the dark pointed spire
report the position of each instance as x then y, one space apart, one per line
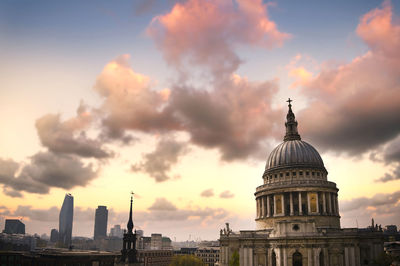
291 125
130 222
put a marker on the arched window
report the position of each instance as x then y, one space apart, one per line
297 259
273 258
321 258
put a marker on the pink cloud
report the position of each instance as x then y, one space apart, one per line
129 101
205 32
354 107
234 117
377 29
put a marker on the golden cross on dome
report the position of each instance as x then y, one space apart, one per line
289 101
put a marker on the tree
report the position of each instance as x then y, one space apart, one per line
186 260
234 261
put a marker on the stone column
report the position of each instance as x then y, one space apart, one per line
316 256
334 204
308 204
283 205
278 253
309 257
274 205
337 204
357 256
268 207
269 254
323 203
262 206
346 256
300 205
330 204
285 257
291 204
317 202
258 208
241 256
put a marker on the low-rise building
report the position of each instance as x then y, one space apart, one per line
209 255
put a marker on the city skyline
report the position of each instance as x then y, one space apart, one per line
100 99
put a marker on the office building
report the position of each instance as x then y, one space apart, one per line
66 220
14 226
100 222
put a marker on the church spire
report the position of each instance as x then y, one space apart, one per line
130 222
291 125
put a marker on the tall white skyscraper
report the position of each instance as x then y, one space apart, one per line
65 221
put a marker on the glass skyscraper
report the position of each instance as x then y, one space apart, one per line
65 221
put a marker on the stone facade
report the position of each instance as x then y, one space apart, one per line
297 218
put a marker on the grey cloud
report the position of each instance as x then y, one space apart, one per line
162 204
235 117
394 175
226 194
164 210
50 214
378 201
69 136
383 207
84 214
390 155
392 151
207 193
354 108
44 171
12 193
159 162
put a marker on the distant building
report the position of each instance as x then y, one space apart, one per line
54 235
14 226
391 233
139 233
185 251
17 242
209 255
145 243
155 257
65 221
100 222
166 243
156 241
116 231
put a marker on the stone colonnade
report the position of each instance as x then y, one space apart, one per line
287 204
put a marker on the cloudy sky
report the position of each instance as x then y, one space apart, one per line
182 102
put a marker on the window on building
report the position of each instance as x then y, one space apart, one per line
279 203
313 202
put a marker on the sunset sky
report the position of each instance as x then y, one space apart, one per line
182 102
